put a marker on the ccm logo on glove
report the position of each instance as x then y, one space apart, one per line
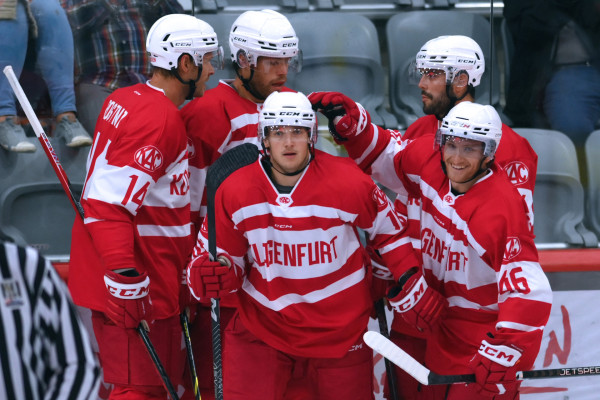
503 355
413 297
125 291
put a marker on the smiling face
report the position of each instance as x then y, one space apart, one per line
289 150
464 161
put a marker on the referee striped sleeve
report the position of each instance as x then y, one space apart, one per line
49 351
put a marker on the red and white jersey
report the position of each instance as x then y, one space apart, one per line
136 200
476 249
306 287
215 123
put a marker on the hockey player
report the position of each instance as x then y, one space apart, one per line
481 294
449 70
287 239
226 117
127 256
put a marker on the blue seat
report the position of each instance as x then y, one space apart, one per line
341 55
408 31
558 199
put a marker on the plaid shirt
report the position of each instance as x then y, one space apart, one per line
110 38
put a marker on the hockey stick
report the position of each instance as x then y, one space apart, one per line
185 325
383 328
395 354
229 162
66 184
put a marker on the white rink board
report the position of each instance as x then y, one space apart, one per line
570 340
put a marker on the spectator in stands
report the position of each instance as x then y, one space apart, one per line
45 20
110 51
555 68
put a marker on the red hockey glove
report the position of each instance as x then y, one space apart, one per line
129 301
495 367
212 279
346 118
419 305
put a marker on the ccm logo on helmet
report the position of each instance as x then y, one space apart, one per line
289 45
292 113
465 61
238 39
182 44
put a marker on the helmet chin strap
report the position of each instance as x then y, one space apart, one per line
247 86
452 97
191 83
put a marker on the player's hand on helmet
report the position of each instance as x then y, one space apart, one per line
212 279
418 304
346 117
128 302
495 366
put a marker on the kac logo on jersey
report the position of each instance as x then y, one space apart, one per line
149 158
449 199
284 200
513 248
380 198
517 172
11 293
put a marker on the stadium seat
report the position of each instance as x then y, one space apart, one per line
341 55
34 210
558 200
408 31
592 157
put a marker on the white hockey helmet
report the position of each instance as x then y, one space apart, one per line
263 33
177 34
287 109
472 121
452 54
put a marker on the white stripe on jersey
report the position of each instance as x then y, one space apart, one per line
164 230
371 146
518 327
459 301
311 211
312 297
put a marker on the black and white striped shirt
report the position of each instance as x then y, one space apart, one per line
45 352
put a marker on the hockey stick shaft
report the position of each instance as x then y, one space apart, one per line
185 325
383 328
41 135
229 162
159 367
215 307
418 371
66 184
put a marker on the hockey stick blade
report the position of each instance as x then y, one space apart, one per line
395 354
